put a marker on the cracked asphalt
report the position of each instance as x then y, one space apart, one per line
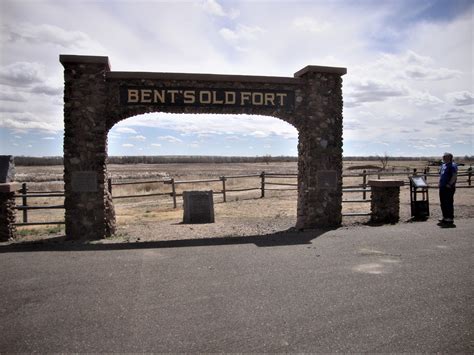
397 288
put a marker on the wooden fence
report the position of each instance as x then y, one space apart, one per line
267 183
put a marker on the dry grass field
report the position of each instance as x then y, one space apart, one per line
244 213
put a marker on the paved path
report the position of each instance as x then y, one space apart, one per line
401 288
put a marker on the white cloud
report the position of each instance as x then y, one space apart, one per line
213 7
125 130
156 145
28 33
47 90
373 90
309 24
127 145
12 96
206 124
139 138
402 73
26 121
460 98
424 98
170 139
22 74
48 138
242 33
422 73
259 134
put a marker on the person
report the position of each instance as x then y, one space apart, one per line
447 188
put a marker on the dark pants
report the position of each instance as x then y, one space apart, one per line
446 197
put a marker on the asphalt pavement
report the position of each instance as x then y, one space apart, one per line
397 288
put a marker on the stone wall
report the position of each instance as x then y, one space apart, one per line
385 200
7 211
92 108
320 149
85 149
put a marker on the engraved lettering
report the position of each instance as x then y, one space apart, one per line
281 96
269 99
206 100
244 96
145 96
214 98
184 96
189 97
257 98
132 96
173 95
159 96
230 97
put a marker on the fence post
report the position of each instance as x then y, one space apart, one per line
262 185
24 190
414 171
364 184
109 185
469 175
173 187
223 179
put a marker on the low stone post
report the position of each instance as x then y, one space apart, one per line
385 202
7 198
198 207
7 211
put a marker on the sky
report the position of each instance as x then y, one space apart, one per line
408 90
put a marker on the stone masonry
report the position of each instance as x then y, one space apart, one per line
92 107
385 201
7 211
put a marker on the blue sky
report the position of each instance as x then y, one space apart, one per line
408 90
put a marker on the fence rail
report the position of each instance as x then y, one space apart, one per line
264 177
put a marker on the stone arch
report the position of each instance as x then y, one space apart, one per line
96 98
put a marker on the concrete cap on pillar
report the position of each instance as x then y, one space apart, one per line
7 169
320 69
86 59
9 187
386 183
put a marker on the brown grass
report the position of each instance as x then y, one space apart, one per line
277 204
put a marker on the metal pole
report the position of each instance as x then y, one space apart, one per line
364 184
173 187
262 176
24 190
109 185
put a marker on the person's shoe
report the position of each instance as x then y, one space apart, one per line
449 221
441 220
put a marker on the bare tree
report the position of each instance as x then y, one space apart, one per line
267 158
384 160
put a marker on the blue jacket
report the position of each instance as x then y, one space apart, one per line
446 173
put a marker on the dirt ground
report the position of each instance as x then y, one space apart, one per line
259 217
244 214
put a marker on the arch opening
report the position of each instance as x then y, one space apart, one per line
205 146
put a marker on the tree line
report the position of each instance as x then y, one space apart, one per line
190 159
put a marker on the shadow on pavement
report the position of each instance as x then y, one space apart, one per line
291 236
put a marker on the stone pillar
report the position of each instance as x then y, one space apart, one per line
89 209
385 201
7 211
319 124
